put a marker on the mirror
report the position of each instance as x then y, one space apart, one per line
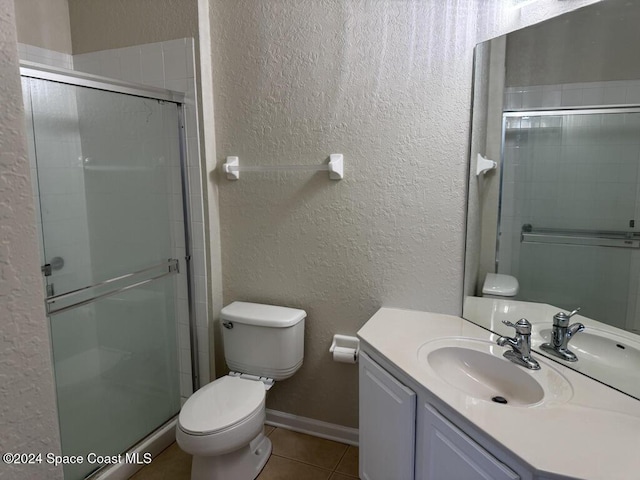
556 225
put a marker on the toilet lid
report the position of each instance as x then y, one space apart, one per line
221 404
500 285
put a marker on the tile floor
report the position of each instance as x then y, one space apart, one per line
295 456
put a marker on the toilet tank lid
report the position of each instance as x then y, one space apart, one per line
262 315
500 284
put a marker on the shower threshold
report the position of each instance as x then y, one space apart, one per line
155 443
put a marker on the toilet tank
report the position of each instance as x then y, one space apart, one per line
264 340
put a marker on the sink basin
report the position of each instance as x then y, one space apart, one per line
484 376
604 349
478 369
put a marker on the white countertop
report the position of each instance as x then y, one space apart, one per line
595 435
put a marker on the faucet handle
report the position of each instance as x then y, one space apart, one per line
522 326
561 319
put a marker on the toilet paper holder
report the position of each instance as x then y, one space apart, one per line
345 344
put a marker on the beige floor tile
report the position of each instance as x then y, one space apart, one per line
340 476
308 458
279 468
268 429
171 464
305 448
349 463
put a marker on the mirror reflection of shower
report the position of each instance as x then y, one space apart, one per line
568 226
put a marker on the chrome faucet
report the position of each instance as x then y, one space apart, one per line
521 344
560 336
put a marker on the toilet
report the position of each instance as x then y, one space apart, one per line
222 423
498 285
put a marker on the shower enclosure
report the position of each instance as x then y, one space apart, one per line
110 184
570 210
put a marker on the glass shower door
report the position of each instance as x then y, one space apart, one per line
107 167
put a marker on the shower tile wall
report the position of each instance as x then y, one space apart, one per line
32 53
171 65
573 172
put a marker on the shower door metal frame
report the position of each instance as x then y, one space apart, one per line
82 79
96 82
563 111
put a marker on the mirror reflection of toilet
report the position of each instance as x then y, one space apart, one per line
498 285
222 424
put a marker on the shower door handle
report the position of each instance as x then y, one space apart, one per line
170 267
56 263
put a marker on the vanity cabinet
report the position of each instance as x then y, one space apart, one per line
427 414
403 439
387 424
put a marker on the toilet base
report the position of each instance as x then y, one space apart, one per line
245 463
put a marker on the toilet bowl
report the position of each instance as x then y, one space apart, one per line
221 424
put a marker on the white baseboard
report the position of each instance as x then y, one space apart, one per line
317 428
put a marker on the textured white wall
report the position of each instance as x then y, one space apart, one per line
44 24
379 82
28 419
107 24
387 83
597 44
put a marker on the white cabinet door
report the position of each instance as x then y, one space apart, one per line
446 453
387 424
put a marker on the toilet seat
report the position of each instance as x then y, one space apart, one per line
221 405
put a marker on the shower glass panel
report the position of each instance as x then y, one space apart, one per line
107 171
116 371
569 210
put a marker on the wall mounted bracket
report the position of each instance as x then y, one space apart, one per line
483 165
